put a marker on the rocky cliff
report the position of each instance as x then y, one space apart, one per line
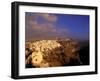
51 53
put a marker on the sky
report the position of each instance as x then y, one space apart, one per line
51 26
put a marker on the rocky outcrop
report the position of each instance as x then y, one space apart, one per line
51 53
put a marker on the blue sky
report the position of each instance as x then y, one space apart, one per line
50 26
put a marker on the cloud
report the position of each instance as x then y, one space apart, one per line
44 27
48 17
45 30
30 16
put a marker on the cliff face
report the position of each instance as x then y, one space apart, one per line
51 53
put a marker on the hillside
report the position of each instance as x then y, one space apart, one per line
52 53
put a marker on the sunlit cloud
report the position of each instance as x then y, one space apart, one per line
46 29
48 17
